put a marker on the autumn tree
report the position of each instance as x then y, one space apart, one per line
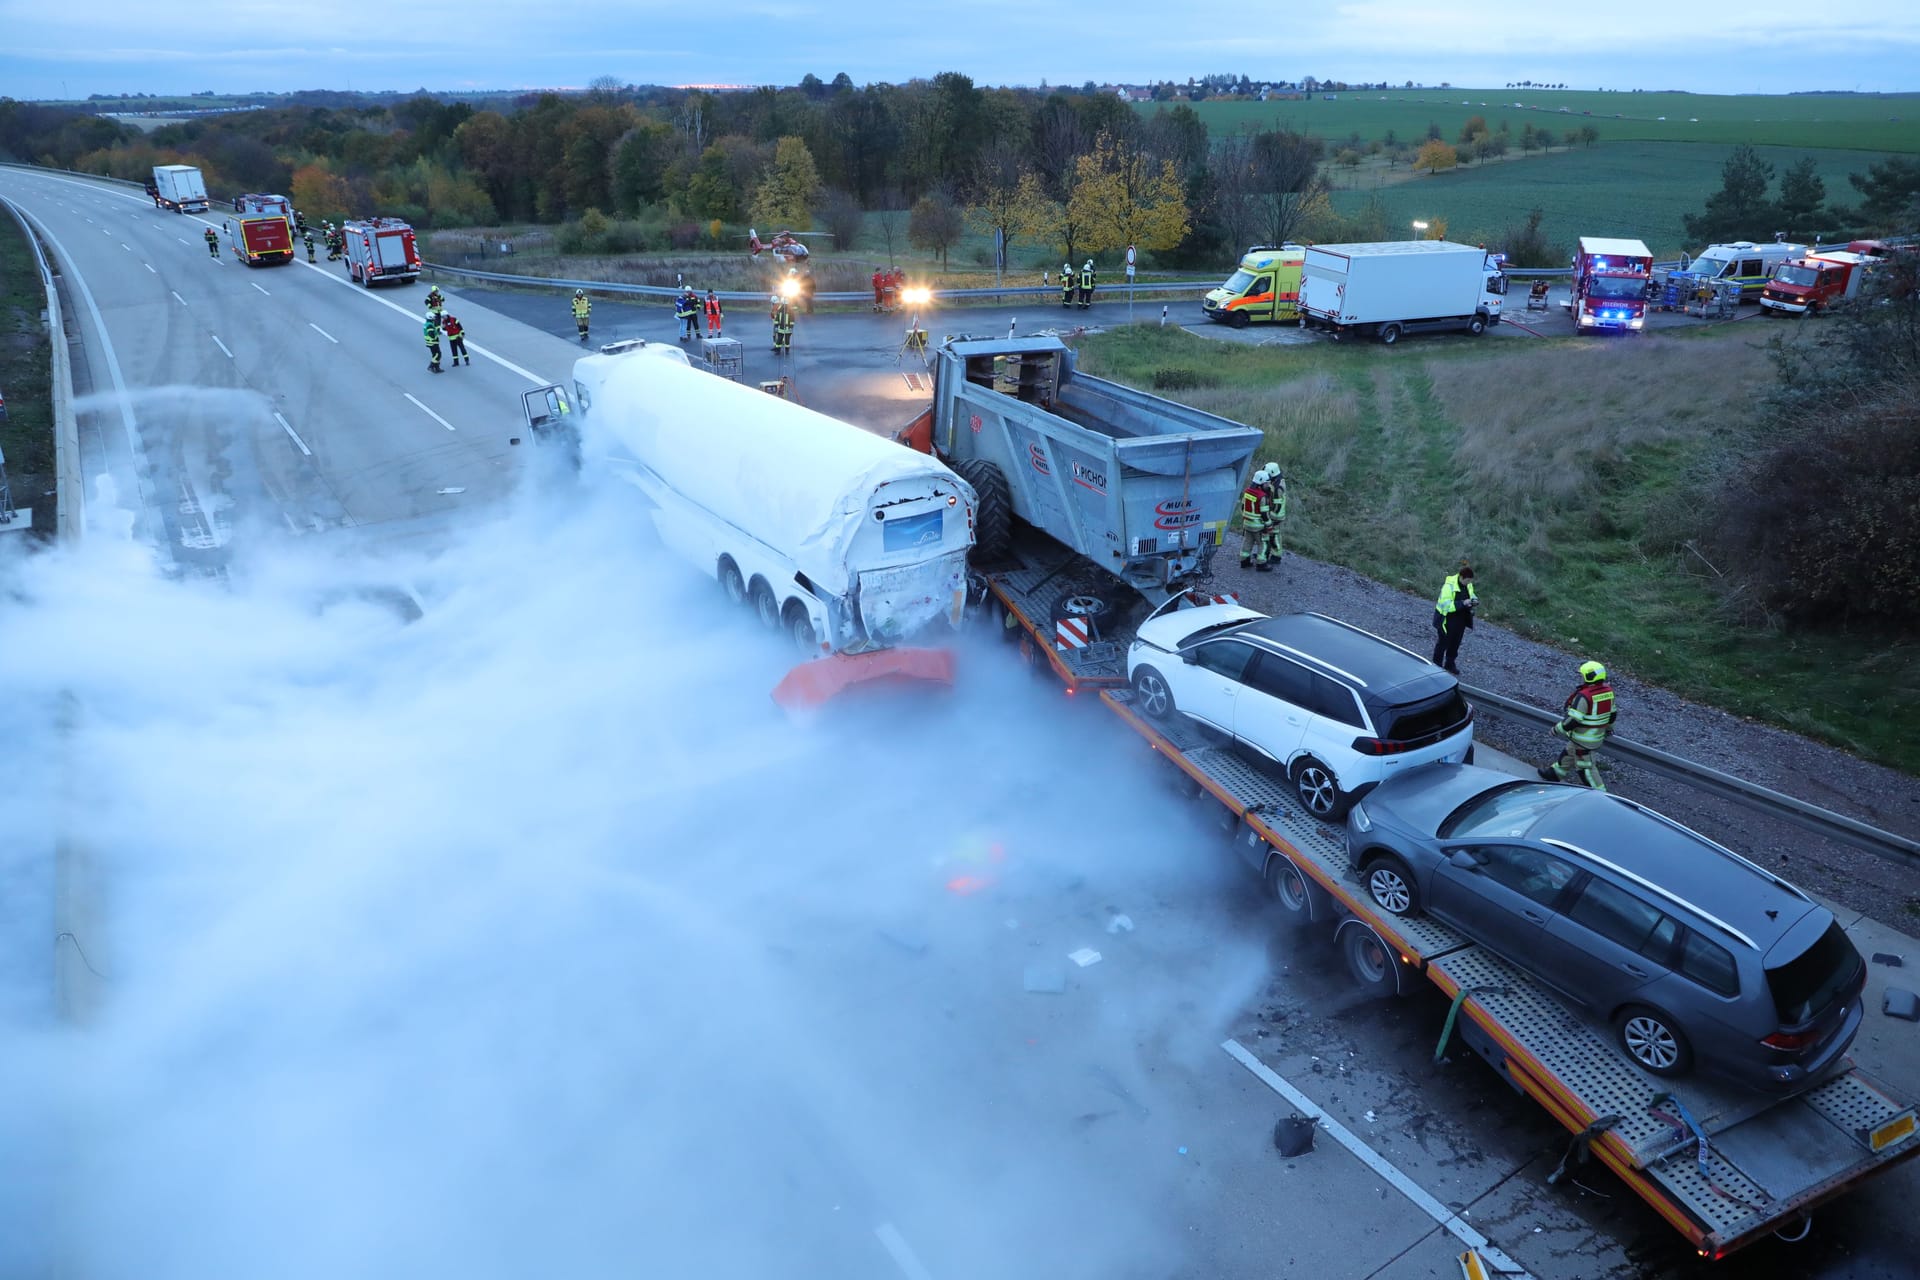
788 187
1436 155
1121 198
936 223
710 190
320 193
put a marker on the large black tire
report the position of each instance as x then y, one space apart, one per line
1239 319
765 607
993 508
1477 326
1373 964
1288 885
1389 334
732 585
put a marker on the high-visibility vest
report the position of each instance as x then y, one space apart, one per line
1449 591
1590 711
1086 277
581 306
713 305
432 331
1254 506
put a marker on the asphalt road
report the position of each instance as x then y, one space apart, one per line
284 402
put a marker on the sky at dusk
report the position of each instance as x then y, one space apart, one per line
236 46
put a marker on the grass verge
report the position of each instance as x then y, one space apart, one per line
26 433
1573 472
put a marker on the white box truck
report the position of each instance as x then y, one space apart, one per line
178 187
1392 287
842 539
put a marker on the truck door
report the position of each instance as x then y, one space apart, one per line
1259 303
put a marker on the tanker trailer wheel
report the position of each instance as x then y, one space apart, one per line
764 605
731 583
993 510
799 627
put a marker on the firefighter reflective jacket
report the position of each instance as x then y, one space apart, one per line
432 330
1589 715
1256 507
581 306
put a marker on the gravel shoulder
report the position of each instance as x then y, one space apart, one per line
1501 661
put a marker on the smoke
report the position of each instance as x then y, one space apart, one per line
479 915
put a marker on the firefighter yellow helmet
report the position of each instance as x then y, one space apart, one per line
1592 671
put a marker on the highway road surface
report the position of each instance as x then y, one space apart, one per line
1017 1065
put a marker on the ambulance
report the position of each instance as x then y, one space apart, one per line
1749 263
1266 287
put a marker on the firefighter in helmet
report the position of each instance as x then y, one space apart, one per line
782 324
431 331
1086 286
436 301
1256 513
582 308
1277 513
212 238
1587 721
1066 284
456 338
307 237
686 309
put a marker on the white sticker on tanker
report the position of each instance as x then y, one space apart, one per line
1087 478
1175 513
1039 460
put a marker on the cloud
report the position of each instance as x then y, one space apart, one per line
527 937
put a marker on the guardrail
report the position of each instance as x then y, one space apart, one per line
1106 292
69 499
1837 826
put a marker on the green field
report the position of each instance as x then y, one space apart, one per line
1576 488
26 433
1863 122
1637 189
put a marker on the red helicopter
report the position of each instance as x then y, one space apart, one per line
783 244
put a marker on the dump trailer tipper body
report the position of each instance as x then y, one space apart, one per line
1124 495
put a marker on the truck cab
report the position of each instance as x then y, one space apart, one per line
1744 262
1265 288
1807 286
1610 278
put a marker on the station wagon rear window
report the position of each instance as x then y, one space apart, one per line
1804 986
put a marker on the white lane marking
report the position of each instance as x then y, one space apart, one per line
430 413
1375 1161
221 345
475 348
126 246
323 333
149 266
183 240
106 231
176 296
89 220
288 428
901 1252
258 287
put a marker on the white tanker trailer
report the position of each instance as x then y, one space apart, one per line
849 543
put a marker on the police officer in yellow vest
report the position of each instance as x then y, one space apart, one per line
1256 515
1453 616
1585 726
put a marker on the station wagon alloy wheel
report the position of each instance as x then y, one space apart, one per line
1651 1040
1388 885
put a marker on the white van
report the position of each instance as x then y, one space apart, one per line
1749 263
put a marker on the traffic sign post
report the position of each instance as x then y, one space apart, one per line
1130 258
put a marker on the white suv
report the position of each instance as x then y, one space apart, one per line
1338 709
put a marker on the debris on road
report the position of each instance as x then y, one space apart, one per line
1084 956
1044 979
1120 924
1293 1135
1901 1003
1892 961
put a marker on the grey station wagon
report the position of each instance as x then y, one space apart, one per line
1690 952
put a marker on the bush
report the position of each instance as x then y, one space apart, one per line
1823 525
1182 379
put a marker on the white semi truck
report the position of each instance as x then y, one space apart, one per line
1384 289
846 541
178 187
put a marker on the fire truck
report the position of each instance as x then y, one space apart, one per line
380 250
260 238
1818 282
1610 280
